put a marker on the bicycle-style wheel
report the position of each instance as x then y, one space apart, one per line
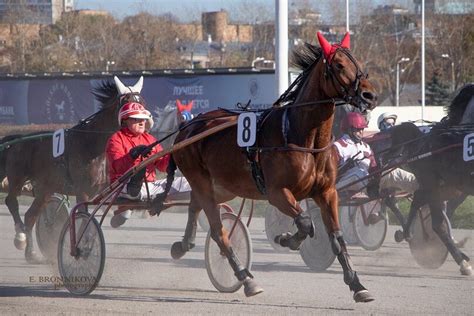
202 219
217 266
49 225
425 246
371 224
346 219
81 274
277 223
317 252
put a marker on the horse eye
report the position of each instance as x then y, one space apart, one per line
338 66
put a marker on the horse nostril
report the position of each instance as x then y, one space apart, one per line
369 96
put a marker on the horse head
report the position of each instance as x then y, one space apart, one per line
461 109
343 75
112 96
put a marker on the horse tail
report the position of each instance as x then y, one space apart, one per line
159 200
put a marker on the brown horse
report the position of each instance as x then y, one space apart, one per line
293 152
78 171
437 161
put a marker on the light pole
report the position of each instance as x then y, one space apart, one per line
446 56
397 92
109 63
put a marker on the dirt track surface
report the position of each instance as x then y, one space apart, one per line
141 278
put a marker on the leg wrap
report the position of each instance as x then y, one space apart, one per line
335 244
457 254
135 184
240 272
305 224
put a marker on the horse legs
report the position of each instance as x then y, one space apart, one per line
30 220
419 199
328 203
203 196
437 219
179 248
287 204
12 203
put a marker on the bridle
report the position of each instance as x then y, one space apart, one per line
352 95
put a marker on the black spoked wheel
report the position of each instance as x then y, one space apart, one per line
317 252
371 224
81 274
425 246
217 266
49 225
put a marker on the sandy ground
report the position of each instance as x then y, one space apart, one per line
141 278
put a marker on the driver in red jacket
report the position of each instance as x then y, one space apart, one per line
126 148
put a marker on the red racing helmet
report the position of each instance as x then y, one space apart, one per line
353 120
135 110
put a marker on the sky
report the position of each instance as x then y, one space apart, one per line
187 10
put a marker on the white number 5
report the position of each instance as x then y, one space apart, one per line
468 148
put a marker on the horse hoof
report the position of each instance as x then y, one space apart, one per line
399 236
363 296
33 258
177 250
465 268
251 288
20 241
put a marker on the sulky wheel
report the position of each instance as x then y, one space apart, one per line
425 246
81 274
202 219
316 252
277 223
346 219
49 225
218 268
370 224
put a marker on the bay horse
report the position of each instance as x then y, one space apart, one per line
79 171
293 150
443 175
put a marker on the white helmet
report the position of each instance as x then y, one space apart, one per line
383 117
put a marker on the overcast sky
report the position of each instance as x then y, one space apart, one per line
186 9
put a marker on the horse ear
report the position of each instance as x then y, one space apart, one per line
179 105
121 88
325 46
346 41
137 88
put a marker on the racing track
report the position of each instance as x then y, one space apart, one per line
140 277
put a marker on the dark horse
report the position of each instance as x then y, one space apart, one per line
293 151
443 175
78 171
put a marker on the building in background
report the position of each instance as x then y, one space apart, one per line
34 11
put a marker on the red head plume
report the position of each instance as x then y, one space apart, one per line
184 107
328 49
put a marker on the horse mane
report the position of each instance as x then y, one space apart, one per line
303 58
458 106
105 92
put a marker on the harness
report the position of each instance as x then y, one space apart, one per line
253 152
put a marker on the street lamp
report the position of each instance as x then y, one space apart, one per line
109 63
446 56
397 93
